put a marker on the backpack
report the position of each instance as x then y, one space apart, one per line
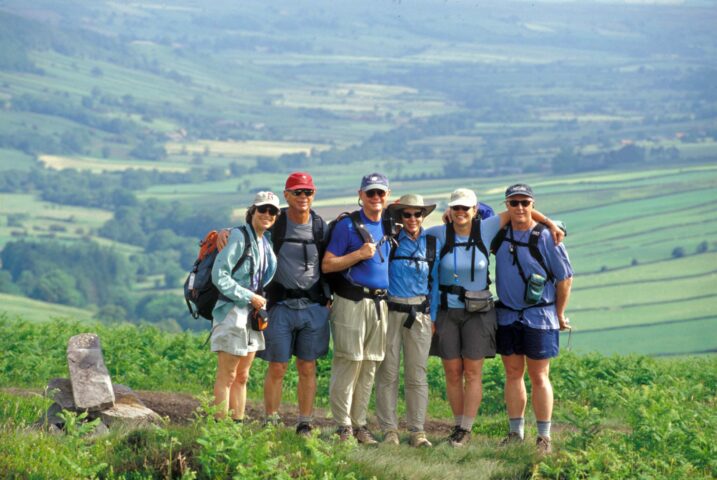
318 292
532 246
474 241
199 290
430 258
278 235
485 210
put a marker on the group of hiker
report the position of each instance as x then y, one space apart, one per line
378 283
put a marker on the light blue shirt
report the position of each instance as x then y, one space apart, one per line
455 267
409 278
511 287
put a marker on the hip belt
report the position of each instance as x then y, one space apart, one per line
356 293
410 309
520 311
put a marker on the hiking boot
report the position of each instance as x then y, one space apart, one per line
459 438
418 439
391 438
304 429
513 437
364 436
543 445
274 420
344 432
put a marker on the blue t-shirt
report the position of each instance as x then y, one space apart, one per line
511 287
409 278
455 267
371 273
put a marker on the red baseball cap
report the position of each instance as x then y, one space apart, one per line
299 180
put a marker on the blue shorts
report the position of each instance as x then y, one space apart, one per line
520 339
301 332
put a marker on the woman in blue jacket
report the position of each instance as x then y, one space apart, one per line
241 293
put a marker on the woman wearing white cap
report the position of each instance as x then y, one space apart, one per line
240 272
466 319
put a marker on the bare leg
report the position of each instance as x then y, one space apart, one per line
515 396
226 374
307 386
542 390
454 384
237 397
272 386
473 389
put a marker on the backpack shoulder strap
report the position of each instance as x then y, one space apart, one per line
278 231
449 244
245 252
476 238
535 235
498 239
360 227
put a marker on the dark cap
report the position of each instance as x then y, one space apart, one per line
519 189
374 181
299 180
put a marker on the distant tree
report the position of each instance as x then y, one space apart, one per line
96 72
678 252
702 247
634 262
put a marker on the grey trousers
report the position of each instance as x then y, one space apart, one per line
416 343
359 337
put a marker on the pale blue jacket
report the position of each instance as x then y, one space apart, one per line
237 287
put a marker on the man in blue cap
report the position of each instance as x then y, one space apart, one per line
533 280
359 252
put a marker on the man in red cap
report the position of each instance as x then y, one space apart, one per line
297 299
298 316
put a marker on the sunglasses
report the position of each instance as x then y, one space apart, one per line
406 214
460 208
271 209
374 192
302 191
515 203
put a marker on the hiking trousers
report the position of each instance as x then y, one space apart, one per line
359 336
415 343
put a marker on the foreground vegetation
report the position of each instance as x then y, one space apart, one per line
616 417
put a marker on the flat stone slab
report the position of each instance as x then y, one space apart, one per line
125 395
130 416
91 383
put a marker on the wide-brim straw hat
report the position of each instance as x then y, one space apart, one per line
410 200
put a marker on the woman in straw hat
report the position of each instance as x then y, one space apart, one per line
410 325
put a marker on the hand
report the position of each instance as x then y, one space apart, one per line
258 302
367 251
564 323
222 238
557 233
433 328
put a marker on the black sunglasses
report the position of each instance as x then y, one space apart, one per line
515 203
374 192
406 214
302 191
460 208
273 211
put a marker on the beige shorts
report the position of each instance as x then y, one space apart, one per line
232 335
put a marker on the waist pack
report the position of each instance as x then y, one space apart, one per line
480 301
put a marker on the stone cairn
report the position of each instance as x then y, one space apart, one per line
90 389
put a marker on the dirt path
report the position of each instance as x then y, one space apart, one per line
180 408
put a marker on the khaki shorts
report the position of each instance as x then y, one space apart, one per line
466 335
232 335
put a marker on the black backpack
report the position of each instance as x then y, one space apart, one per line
199 290
474 241
532 245
278 235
